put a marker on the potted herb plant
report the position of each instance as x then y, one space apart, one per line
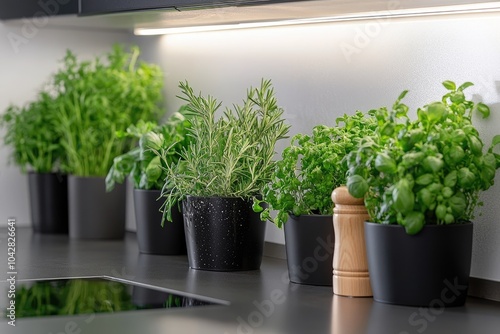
311 167
228 162
96 99
37 150
421 181
147 171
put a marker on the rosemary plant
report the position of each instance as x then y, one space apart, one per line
230 156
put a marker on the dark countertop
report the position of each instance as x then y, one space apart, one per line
260 301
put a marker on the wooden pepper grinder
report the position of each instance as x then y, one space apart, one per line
350 266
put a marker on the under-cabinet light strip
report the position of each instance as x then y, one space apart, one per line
415 12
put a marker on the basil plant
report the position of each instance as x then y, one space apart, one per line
424 171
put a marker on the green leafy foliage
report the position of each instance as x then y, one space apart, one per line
230 156
81 296
426 171
143 162
311 167
71 298
98 99
30 133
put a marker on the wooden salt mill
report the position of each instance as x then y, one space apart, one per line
350 266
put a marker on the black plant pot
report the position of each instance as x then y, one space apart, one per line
151 236
223 234
49 202
93 212
430 269
309 243
145 297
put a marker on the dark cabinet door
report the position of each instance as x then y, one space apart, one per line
91 7
17 9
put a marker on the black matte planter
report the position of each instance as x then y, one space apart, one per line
309 243
146 297
151 236
223 234
93 212
49 202
429 269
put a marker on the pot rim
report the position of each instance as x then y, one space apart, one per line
469 223
310 215
86 177
49 173
220 197
148 190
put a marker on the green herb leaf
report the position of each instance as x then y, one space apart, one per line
403 196
450 85
495 141
476 145
357 186
483 109
436 111
432 164
385 164
451 179
465 178
425 179
457 97
465 85
413 222
458 204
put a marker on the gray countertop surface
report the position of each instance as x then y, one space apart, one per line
262 301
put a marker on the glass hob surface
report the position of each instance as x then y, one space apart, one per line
60 297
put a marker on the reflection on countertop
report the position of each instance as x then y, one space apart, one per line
75 296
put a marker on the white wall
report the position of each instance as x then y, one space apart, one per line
23 71
322 71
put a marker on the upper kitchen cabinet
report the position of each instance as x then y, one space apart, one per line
17 9
169 16
91 7
156 16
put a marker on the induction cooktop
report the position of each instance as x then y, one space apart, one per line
73 296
